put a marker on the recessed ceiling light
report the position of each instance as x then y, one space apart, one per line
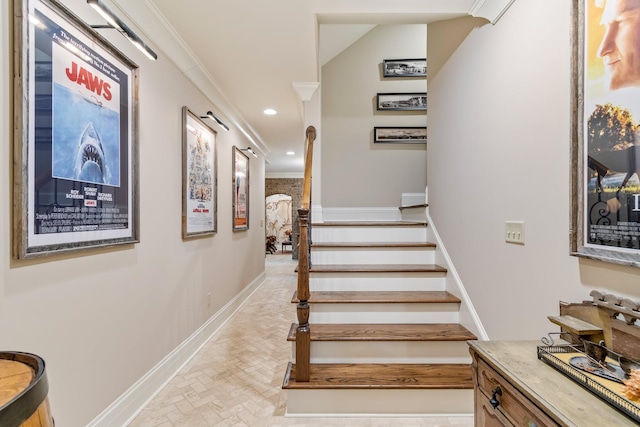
290 153
270 112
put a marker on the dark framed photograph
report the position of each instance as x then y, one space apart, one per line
605 184
75 136
199 177
416 101
400 135
404 67
240 190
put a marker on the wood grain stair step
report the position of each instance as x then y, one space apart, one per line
376 268
423 205
382 376
363 297
386 332
373 245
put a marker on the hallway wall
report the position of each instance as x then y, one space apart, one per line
101 319
499 150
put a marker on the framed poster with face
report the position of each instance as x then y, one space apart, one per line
605 196
75 135
199 177
240 190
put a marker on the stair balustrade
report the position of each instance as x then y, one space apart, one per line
303 331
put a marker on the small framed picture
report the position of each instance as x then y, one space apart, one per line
240 190
416 101
400 135
404 67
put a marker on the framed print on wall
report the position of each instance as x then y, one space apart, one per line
400 135
404 67
402 101
75 135
605 190
240 190
199 177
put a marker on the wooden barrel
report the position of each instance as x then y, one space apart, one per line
23 391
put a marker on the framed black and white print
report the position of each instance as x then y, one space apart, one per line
401 101
404 67
400 135
199 177
75 135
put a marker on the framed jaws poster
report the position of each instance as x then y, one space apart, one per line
75 146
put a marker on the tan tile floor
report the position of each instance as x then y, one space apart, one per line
236 378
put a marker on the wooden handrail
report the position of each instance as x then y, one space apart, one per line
303 331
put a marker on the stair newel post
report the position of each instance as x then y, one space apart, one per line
303 332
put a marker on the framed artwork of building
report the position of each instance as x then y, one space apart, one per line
75 136
605 197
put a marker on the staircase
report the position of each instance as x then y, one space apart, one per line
385 334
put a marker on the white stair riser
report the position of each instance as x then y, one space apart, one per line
388 352
384 313
372 256
417 215
377 282
363 402
368 234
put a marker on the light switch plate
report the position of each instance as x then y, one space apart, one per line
514 232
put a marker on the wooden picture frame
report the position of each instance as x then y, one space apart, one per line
240 190
199 177
416 67
605 189
411 101
400 135
75 135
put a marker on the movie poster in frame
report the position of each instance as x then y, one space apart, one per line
75 136
605 190
240 190
199 177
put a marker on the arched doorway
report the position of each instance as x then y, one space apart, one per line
278 218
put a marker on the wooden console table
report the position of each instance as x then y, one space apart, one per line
532 393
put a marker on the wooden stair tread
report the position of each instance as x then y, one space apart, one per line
386 332
382 376
373 245
377 268
423 205
320 297
369 224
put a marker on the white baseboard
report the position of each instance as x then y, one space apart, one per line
360 214
412 199
124 409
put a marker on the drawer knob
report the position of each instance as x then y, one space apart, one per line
494 399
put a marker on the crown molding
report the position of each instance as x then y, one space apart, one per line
491 10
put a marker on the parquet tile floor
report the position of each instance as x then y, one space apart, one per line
236 378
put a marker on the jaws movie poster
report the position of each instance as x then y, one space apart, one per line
80 155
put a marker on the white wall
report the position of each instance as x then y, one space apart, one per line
499 139
373 175
101 319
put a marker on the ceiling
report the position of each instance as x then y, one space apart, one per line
249 55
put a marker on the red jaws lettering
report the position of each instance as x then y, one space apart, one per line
95 84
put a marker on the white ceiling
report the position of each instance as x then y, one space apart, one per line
247 55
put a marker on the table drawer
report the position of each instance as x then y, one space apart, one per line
512 404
